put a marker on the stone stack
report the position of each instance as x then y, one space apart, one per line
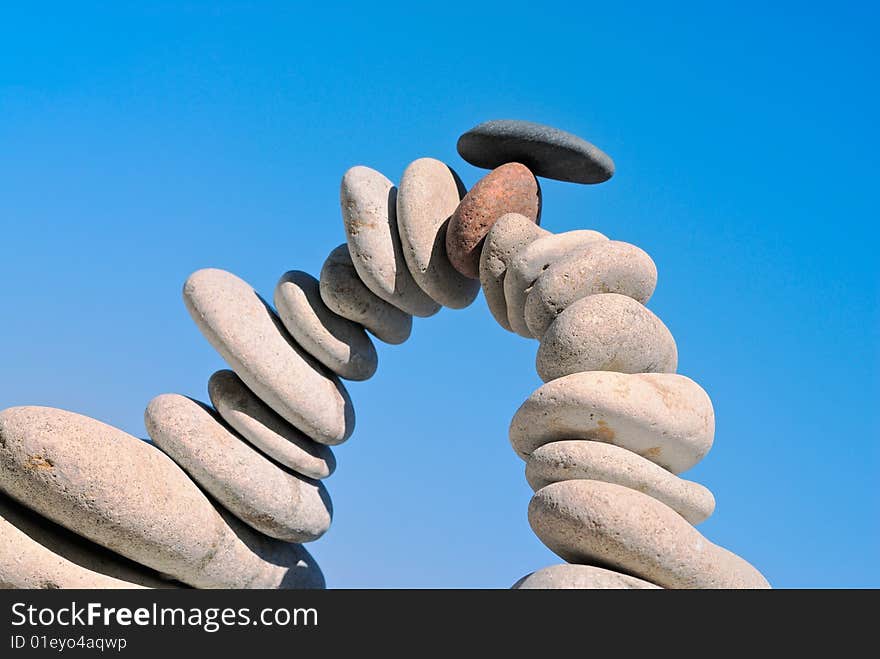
606 435
226 493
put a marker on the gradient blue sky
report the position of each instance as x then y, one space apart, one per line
139 144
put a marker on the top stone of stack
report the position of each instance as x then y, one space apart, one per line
546 151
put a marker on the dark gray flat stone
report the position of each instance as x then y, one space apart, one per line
547 151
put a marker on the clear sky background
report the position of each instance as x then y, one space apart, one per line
140 144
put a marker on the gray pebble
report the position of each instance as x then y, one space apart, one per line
547 151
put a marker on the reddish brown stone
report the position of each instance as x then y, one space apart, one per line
511 188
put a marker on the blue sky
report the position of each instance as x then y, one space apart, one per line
138 145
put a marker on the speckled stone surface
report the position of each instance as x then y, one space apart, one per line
510 188
428 195
131 498
37 553
250 337
336 342
591 460
606 332
346 295
580 577
261 493
607 266
547 151
588 522
666 418
510 234
528 264
369 212
258 424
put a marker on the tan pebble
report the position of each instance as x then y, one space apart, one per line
607 266
580 577
346 295
587 522
336 342
666 418
587 460
606 332
128 496
259 492
37 553
428 195
530 262
250 337
369 212
257 423
505 239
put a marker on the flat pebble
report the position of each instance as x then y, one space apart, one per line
259 492
428 195
505 239
586 460
128 496
346 295
585 521
252 340
530 262
369 211
547 151
580 577
606 332
336 342
258 424
510 188
607 266
667 418
37 553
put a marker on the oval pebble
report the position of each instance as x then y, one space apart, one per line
505 239
606 332
336 342
345 294
666 418
428 195
369 212
258 424
259 492
131 498
252 340
37 553
609 266
530 262
547 151
586 460
580 577
511 188
585 521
